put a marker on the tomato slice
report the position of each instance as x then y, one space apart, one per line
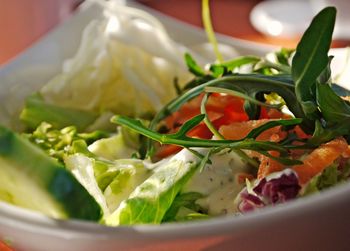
4 247
218 105
221 109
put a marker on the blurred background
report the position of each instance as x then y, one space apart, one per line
275 22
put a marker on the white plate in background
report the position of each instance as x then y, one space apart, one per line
289 18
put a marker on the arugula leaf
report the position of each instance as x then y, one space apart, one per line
326 75
207 121
320 134
335 111
229 66
188 125
284 55
333 108
323 134
266 64
196 82
340 91
253 87
193 66
181 139
253 84
310 58
237 92
282 122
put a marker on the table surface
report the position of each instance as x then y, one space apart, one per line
23 22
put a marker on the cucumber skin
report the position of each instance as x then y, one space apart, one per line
50 175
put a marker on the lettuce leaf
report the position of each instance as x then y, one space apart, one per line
37 110
112 72
123 177
183 205
111 148
66 141
108 182
330 177
82 168
150 201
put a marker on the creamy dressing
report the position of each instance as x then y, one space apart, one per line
218 183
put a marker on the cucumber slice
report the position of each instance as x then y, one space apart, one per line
31 179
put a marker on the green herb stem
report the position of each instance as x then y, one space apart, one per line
209 29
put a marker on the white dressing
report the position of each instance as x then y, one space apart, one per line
218 183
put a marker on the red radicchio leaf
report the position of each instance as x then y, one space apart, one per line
271 190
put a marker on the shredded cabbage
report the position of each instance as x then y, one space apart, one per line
127 71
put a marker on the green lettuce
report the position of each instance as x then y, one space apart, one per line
184 206
119 146
109 182
150 201
59 143
330 177
123 177
37 110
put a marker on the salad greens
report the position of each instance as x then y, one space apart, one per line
37 110
47 186
181 139
311 58
149 202
241 135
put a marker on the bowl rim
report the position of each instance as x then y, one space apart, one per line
25 219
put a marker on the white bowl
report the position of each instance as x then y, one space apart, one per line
319 222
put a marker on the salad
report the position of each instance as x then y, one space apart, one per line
110 142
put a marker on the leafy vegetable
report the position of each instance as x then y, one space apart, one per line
272 190
253 84
185 200
331 176
82 168
334 109
27 172
59 143
181 139
310 58
112 76
151 200
220 69
284 55
112 148
126 176
328 178
136 65
37 110
193 67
